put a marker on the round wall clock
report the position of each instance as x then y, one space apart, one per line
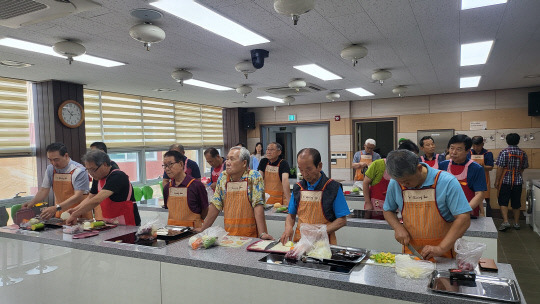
71 114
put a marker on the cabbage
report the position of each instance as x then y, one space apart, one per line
321 250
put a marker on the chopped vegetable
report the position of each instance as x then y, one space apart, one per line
277 205
208 241
321 250
289 244
38 226
384 258
282 209
65 215
98 224
196 244
33 221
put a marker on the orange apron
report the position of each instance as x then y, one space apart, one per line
365 158
422 219
239 217
310 211
479 158
63 190
272 184
513 170
179 212
434 163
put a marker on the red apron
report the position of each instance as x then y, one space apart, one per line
365 158
121 211
272 184
310 211
479 158
434 163
378 195
462 178
422 219
179 212
215 174
238 214
63 190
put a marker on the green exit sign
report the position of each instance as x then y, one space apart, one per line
292 117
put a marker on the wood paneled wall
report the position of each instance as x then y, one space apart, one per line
47 97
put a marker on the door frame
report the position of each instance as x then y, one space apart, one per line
327 123
354 130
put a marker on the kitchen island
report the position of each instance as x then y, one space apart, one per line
52 265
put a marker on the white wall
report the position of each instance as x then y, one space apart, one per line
314 136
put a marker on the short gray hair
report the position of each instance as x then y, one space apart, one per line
370 141
244 154
401 163
97 157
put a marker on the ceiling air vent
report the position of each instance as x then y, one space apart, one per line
286 91
18 13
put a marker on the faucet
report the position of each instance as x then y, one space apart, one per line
18 194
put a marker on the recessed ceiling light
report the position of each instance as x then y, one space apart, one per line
197 14
15 64
468 4
48 50
274 99
207 85
360 92
165 90
475 53
469 82
532 76
317 71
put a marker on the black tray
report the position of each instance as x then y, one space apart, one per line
354 255
186 231
279 259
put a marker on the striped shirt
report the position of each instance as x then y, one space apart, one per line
512 163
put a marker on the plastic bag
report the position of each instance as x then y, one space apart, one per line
210 193
468 253
408 267
314 242
148 231
207 238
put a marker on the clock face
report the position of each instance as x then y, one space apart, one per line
71 114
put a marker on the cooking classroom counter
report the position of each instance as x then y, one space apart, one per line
359 232
50 264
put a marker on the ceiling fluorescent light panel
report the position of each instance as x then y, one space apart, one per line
317 71
469 82
207 85
197 14
274 99
475 53
48 50
360 92
468 4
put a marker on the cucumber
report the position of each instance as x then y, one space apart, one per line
282 209
98 224
38 226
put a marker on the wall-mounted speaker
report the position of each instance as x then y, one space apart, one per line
534 104
248 120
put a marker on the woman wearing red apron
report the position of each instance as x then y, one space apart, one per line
111 190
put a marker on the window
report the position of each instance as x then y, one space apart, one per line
154 160
16 122
19 174
127 162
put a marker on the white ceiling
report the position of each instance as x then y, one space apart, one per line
418 40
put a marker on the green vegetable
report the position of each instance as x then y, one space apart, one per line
38 226
209 242
355 189
98 224
282 209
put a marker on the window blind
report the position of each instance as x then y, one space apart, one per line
92 117
212 126
158 122
188 124
16 129
122 120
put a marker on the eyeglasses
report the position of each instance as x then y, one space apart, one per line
165 166
93 170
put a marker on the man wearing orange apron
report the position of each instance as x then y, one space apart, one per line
470 175
68 179
376 182
427 145
240 194
362 159
111 189
316 199
190 167
485 159
435 211
512 161
275 172
184 196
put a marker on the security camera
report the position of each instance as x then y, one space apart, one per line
257 57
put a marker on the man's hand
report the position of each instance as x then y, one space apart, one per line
267 236
286 236
402 236
27 205
213 186
429 252
48 212
198 230
368 205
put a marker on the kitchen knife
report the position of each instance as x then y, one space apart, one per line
411 248
274 243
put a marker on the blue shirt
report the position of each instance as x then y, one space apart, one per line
341 208
450 197
476 178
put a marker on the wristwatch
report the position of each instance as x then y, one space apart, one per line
260 236
58 207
